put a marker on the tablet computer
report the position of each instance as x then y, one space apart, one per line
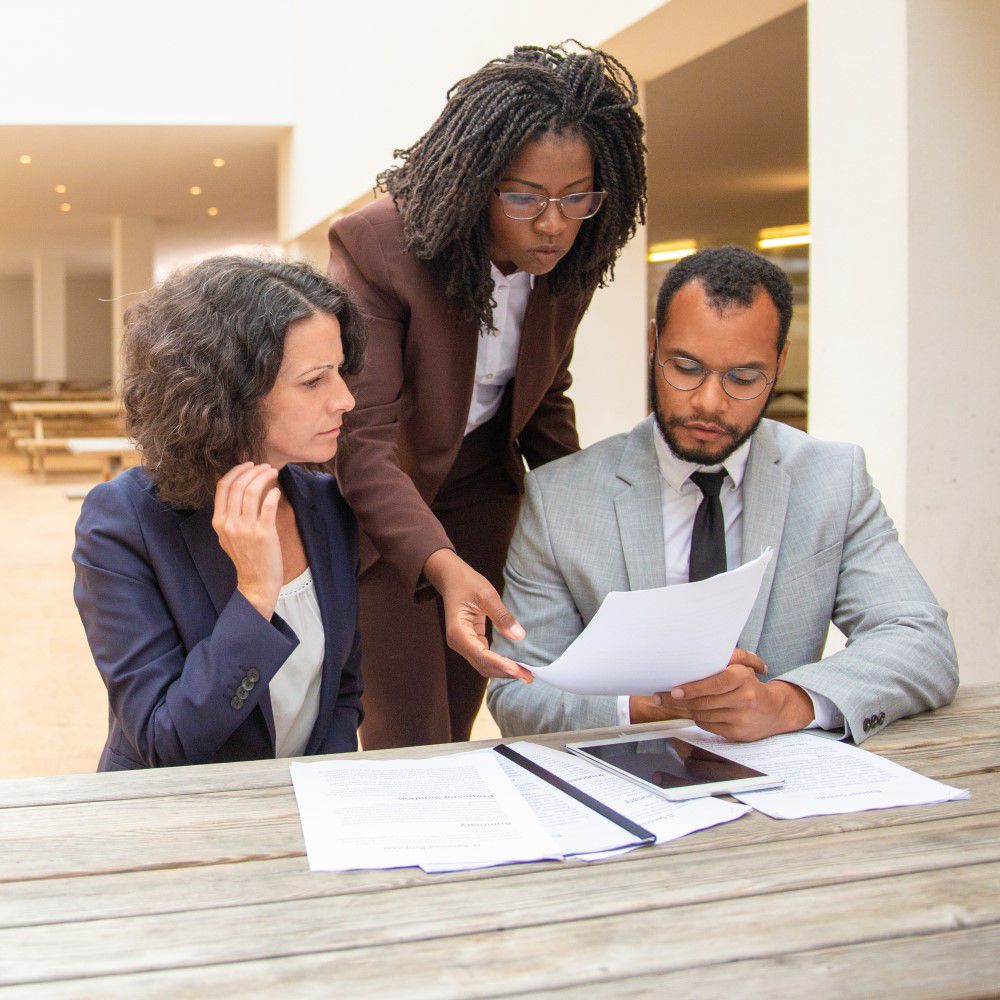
672 767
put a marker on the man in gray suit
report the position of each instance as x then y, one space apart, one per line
702 485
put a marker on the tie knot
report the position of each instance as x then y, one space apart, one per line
710 483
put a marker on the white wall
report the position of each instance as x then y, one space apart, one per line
88 328
904 346
16 345
189 62
370 84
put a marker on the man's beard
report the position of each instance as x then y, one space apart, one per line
701 456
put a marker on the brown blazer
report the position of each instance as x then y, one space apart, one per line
414 392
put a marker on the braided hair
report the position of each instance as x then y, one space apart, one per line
442 186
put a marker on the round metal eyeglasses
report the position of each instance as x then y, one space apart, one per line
524 207
739 383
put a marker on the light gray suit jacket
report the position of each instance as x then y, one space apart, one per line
592 523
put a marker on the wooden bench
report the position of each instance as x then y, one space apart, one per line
37 449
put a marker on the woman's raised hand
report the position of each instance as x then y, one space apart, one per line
246 506
469 599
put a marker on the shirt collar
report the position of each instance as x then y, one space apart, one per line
517 278
675 472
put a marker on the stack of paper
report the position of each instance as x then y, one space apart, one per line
478 809
396 813
823 777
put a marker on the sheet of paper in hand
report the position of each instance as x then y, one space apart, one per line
644 641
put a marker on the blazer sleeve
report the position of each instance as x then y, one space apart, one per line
551 431
537 595
900 657
385 500
349 712
174 705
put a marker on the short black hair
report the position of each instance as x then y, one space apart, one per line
730 275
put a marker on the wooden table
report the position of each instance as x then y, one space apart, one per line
191 882
41 441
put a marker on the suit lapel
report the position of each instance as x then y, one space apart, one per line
765 500
639 510
324 551
214 567
535 337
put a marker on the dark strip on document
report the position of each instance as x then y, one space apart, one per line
643 835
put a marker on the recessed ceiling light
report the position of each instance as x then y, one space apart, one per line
24 158
195 190
213 211
218 162
60 189
65 207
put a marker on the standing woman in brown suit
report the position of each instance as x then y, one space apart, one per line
473 274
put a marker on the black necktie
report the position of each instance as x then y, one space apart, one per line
708 539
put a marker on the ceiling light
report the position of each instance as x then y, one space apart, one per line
60 189
65 207
671 250
213 211
24 158
784 236
195 190
218 162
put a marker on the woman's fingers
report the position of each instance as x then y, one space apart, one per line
222 489
263 479
269 508
503 621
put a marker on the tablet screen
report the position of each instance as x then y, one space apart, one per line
668 762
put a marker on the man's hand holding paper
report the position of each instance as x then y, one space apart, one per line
734 703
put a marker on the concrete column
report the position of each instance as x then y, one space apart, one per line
132 249
904 350
49 317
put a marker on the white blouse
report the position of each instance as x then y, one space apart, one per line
294 689
496 356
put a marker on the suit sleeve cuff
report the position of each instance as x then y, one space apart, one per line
624 715
826 715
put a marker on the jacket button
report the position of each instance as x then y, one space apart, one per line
237 702
868 724
881 717
244 688
253 675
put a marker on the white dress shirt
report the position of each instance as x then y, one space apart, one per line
496 357
295 688
681 499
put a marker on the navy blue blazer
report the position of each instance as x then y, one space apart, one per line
174 639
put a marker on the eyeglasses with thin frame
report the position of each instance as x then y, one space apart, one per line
687 375
524 207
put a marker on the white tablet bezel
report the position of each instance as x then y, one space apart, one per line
765 781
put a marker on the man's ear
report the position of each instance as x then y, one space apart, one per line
782 358
652 337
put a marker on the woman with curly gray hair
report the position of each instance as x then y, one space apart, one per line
216 582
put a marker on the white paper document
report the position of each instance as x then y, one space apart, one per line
823 777
644 641
575 828
460 810
667 820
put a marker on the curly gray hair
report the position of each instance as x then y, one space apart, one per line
200 352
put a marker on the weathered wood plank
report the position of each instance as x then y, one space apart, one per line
959 964
170 889
639 943
976 709
542 898
217 828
